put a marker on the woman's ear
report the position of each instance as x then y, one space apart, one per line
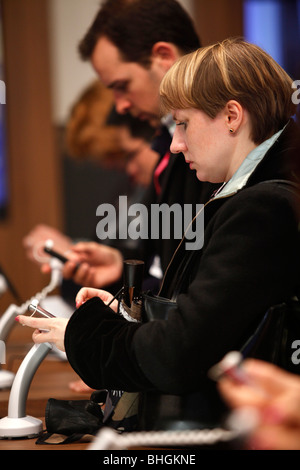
234 114
164 54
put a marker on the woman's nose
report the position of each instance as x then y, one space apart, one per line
177 145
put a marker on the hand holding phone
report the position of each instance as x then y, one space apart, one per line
37 311
48 248
55 254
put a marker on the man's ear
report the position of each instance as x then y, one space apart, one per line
234 113
164 54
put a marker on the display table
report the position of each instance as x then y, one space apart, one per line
50 381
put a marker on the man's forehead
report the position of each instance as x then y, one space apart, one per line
109 65
107 48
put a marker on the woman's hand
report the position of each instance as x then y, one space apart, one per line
47 330
274 394
87 293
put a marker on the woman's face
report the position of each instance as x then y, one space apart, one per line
140 158
204 142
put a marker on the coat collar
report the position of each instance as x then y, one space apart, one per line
243 173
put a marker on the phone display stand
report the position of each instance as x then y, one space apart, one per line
6 379
17 424
7 320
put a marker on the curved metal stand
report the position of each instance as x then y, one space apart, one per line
17 424
7 320
6 379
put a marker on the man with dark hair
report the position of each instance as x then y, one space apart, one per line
134 26
131 45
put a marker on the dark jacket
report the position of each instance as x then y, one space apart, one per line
249 262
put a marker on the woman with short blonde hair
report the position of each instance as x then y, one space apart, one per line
233 69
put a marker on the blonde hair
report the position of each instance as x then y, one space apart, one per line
231 70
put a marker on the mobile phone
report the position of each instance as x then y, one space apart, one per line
50 251
38 311
55 254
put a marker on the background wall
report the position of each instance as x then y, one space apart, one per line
218 19
68 20
33 164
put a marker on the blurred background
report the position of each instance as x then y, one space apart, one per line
44 76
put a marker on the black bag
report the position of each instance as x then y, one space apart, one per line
277 337
73 417
73 420
155 307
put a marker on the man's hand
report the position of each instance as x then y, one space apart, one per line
35 240
99 265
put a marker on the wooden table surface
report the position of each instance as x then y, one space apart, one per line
50 381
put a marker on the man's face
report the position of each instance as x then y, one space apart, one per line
135 88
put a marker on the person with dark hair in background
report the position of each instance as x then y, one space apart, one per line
135 137
131 45
97 133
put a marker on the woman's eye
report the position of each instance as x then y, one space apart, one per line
181 124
